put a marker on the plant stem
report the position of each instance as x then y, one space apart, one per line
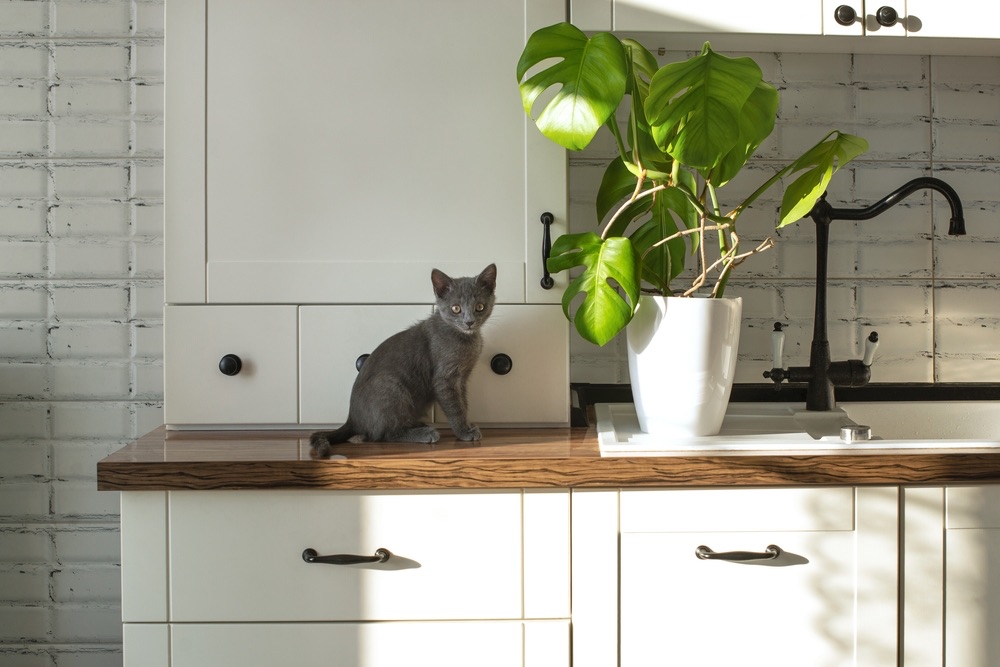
621 209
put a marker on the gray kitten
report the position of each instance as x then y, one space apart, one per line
430 361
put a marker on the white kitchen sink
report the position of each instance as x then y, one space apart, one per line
754 428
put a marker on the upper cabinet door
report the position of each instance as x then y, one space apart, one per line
959 18
791 17
345 139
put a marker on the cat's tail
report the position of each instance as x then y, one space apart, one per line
321 442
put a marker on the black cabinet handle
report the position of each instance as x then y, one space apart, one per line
886 17
230 364
360 361
311 556
845 15
547 219
501 364
770 553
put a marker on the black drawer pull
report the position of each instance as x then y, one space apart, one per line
311 556
770 553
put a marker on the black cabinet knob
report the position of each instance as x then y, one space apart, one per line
360 361
230 364
501 364
886 16
845 15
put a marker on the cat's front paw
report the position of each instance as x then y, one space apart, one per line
469 432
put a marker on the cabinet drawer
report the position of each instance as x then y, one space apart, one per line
237 556
263 390
331 340
536 389
442 644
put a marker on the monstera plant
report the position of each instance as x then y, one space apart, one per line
683 131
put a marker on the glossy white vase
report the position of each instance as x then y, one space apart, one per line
682 360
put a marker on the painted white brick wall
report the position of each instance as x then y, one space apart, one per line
81 106
81 292
934 299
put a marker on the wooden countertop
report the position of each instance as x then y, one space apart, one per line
504 458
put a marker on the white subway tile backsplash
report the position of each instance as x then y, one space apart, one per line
89 340
86 544
24 19
107 381
23 98
84 259
93 19
98 219
25 544
92 61
23 218
24 60
92 138
90 180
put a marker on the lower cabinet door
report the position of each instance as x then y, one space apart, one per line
808 579
972 576
441 644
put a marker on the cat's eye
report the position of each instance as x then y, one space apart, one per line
480 307
456 309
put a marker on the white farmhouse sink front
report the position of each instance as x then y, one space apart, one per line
753 428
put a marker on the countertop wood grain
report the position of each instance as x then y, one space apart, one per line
504 458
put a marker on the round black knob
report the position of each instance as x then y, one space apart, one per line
360 361
230 364
501 364
886 16
845 15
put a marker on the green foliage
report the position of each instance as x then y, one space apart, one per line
691 128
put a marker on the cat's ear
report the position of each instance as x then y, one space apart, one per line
442 283
488 278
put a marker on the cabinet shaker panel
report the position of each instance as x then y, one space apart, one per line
230 365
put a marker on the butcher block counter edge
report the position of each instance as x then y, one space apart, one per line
167 460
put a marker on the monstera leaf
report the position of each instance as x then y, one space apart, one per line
608 265
820 163
694 106
591 76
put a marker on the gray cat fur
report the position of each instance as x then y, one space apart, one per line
431 361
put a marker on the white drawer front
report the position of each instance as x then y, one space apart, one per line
263 391
331 339
237 556
536 390
442 644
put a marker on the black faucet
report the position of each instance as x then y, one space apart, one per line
822 375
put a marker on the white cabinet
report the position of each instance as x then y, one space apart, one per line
952 576
794 21
473 577
327 152
230 365
828 597
323 153
522 376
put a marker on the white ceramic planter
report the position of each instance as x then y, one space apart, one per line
682 359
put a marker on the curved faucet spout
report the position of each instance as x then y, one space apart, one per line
822 374
824 213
